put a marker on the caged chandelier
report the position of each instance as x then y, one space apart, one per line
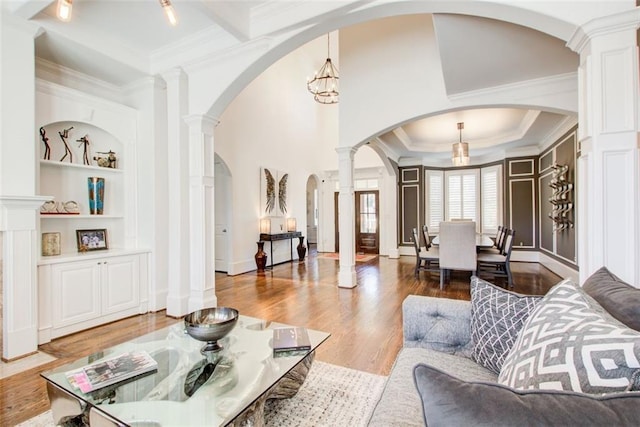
460 155
324 85
64 8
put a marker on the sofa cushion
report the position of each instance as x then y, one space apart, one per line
497 315
399 404
449 401
620 299
571 343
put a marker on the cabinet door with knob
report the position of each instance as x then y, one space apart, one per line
119 284
75 292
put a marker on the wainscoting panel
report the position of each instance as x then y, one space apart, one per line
522 215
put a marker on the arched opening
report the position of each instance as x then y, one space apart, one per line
223 207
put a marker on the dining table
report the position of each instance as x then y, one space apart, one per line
482 241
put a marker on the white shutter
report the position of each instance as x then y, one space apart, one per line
469 200
435 200
491 199
454 194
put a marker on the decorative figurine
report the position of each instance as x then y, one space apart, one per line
85 141
47 148
67 151
106 162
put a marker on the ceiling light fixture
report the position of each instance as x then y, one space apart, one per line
168 10
63 10
460 155
324 85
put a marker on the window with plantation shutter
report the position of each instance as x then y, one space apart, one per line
491 199
462 193
434 200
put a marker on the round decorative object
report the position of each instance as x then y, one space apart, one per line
210 325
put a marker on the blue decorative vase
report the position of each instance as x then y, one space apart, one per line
96 195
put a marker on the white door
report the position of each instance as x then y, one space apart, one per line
222 215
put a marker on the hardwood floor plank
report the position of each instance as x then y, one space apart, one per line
365 322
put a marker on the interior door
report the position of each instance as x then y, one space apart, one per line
222 215
367 222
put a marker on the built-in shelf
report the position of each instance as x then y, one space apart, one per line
90 255
59 164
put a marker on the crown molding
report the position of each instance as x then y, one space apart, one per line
624 21
63 76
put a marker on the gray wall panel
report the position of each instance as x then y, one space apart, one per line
523 212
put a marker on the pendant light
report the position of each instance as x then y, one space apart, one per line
460 155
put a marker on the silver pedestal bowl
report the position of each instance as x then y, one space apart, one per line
210 325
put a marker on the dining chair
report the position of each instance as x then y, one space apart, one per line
426 259
457 247
425 235
498 265
498 244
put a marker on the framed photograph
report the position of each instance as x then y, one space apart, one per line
92 240
50 244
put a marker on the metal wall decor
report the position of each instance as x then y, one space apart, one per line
561 198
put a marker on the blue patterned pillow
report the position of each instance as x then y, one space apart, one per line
497 315
571 343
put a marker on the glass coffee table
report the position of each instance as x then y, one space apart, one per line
186 389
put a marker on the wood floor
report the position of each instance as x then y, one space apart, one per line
365 322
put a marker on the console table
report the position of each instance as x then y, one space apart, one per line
280 236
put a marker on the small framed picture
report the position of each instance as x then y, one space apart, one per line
92 240
50 244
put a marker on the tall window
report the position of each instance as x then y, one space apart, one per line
474 194
435 198
462 194
491 198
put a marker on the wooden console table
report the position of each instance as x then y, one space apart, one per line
280 236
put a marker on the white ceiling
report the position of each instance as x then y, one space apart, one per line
121 41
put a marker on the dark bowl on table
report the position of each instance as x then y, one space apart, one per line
211 324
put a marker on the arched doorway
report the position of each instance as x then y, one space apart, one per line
222 215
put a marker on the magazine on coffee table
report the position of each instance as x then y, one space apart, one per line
111 371
290 341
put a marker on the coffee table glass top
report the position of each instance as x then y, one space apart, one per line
179 393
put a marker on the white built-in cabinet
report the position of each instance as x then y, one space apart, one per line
80 290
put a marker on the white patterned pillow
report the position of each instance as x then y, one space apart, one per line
497 315
571 343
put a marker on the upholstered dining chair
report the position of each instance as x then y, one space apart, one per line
498 265
426 259
457 247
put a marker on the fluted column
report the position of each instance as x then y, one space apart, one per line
608 167
346 218
201 211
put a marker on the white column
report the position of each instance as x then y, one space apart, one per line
18 217
178 192
202 212
608 170
346 219
391 186
18 200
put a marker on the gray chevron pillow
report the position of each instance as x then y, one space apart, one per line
571 343
497 315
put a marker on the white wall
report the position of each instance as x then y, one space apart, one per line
275 123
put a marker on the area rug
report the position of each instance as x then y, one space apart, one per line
330 396
336 256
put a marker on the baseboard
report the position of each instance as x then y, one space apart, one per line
406 250
559 268
525 256
242 267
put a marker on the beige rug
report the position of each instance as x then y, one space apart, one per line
330 396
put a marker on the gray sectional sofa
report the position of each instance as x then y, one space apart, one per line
436 380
